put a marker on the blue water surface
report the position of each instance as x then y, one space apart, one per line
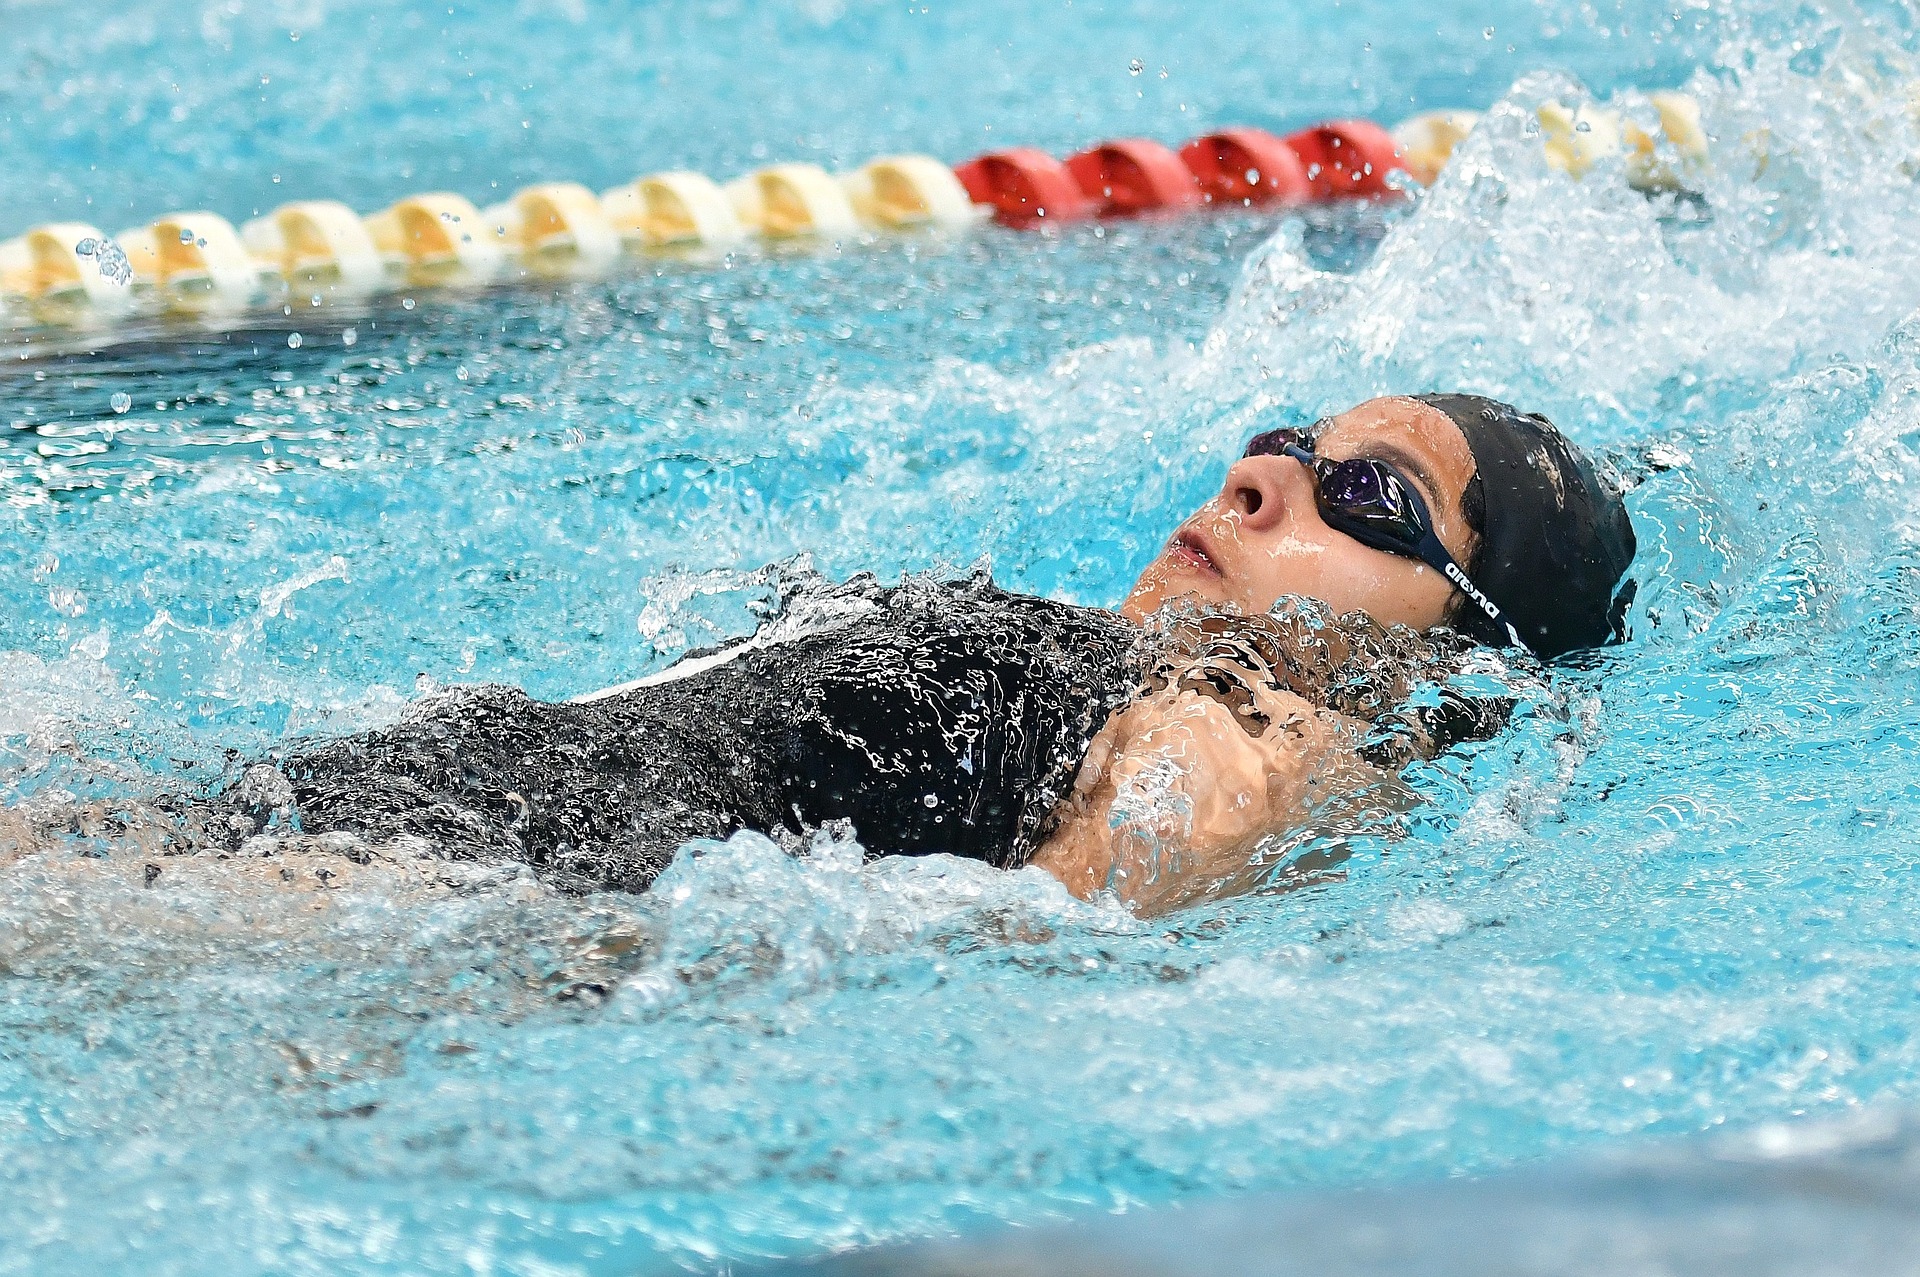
1675 900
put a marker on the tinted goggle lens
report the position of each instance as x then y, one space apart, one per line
1370 494
1364 498
1274 443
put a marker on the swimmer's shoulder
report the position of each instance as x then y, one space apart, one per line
804 615
967 609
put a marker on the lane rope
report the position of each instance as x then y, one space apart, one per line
72 276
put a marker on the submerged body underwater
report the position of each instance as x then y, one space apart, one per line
1671 897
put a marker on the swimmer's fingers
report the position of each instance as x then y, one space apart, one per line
1197 767
1098 762
1114 740
1238 677
1230 688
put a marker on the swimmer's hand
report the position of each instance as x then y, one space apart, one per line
1178 790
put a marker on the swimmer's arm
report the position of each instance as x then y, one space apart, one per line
1178 791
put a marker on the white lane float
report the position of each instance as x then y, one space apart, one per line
1577 138
896 192
316 249
64 272
437 239
1649 168
678 209
789 201
1426 142
192 263
555 227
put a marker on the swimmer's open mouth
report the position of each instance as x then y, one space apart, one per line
1190 549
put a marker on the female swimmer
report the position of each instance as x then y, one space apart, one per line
1257 675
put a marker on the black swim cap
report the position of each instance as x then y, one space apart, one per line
1554 539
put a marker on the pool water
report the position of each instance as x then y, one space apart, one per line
1674 901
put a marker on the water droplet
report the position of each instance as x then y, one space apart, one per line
349 337
199 243
86 246
294 341
314 300
406 303
1135 67
1253 177
121 401
111 261
1487 34
186 236
1581 126
931 800
461 372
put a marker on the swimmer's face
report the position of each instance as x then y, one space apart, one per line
1262 537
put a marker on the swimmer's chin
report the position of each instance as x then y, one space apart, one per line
1162 596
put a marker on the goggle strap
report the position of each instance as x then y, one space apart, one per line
1436 555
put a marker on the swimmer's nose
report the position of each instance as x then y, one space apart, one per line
1265 490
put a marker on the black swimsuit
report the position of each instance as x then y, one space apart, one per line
936 718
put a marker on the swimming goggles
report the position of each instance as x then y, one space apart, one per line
1379 507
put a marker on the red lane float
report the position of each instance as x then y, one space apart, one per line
1346 158
1339 159
1133 175
1024 187
1246 166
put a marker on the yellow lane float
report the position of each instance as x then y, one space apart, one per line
1680 128
898 191
18 279
556 226
318 248
60 265
669 210
1425 142
1577 139
437 238
193 263
790 200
